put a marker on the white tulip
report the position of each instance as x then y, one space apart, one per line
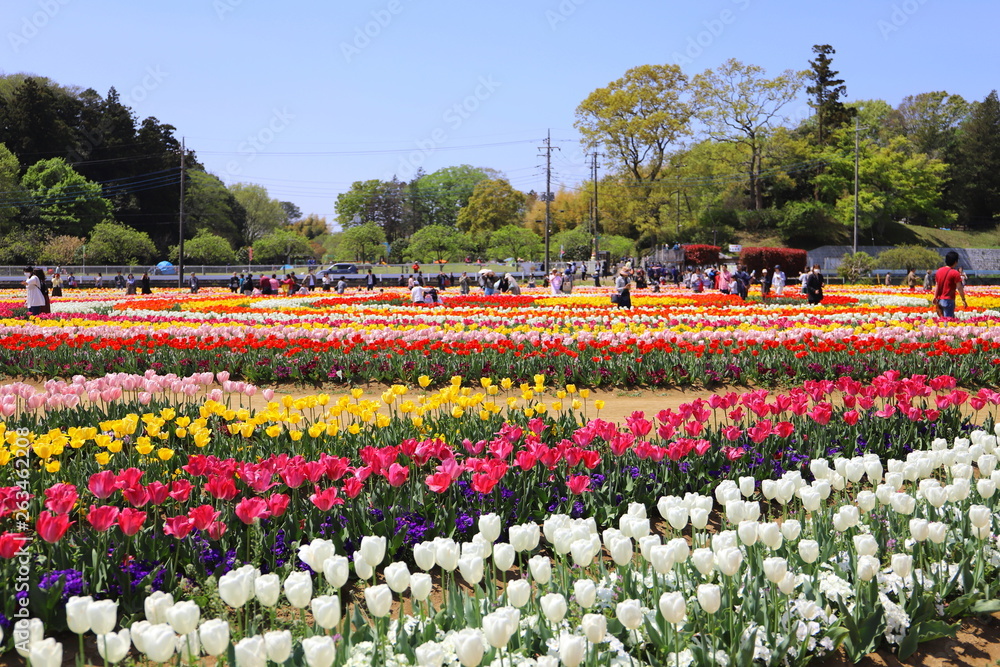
379 600
572 649
585 593
503 556
319 651
498 628
373 549
156 605
489 526
709 597
621 551
868 567
214 636
298 589
865 545
673 606
103 616
469 647
595 627
278 645
661 557
160 642
315 553
46 653
471 568
770 534
423 555
267 589
775 569
397 576
866 501
704 561
76 614
748 485
541 569
902 564
728 561
26 633
525 536
903 503
629 613
747 531
336 569
553 606
788 583
420 586
183 616
808 551
980 516
362 568
518 592
790 529
114 646
430 654
231 589
937 532
326 611
699 518
447 553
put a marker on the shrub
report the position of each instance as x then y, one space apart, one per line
853 267
791 260
908 257
701 255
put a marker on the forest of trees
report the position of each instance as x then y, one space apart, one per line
691 157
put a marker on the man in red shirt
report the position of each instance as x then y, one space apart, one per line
948 281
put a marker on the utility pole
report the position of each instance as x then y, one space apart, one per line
857 148
180 241
547 196
596 219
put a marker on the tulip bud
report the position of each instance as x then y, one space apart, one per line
503 556
673 606
775 569
76 614
423 555
902 564
469 647
430 654
489 526
709 597
541 569
373 549
183 617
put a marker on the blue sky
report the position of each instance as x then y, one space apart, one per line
305 97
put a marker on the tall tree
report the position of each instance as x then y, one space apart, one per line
976 165
377 201
10 187
826 91
493 204
515 241
434 242
740 105
931 121
210 207
364 242
63 201
447 190
263 214
292 212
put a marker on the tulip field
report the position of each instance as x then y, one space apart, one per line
358 480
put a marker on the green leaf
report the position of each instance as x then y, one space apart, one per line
984 607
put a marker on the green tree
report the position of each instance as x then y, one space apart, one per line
365 243
826 91
806 224
738 104
22 245
896 184
448 190
976 165
855 266
292 212
931 121
210 207
114 243
434 243
62 200
493 204
908 257
380 202
61 250
10 185
312 226
515 241
206 248
573 245
280 247
263 214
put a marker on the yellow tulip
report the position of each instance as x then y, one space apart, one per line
354 429
457 412
317 429
456 380
164 453
182 421
234 428
102 458
576 404
4 457
557 405
528 412
296 435
539 379
357 393
115 446
382 421
506 383
166 414
145 448
571 389
584 394
332 429
181 432
417 421
274 430
247 429
486 382
493 390
52 466
423 381
202 438
599 404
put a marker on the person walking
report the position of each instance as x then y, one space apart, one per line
144 284
765 283
555 282
888 280
370 280
911 279
778 280
56 284
928 281
194 282
949 282
622 282
814 285
463 283
34 299
741 282
130 285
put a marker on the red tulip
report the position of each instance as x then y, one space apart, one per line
180 490
103 484
177 526
128 478
732 433
326 498
52 527
249 510
578 483
203 515
440 481
103 517
524 460
158 492
293 476
60 498
784 429
483 483
397 474
352 487
131 520
216 530
277 503
12 543
851 417
136 495
221 488
336 467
